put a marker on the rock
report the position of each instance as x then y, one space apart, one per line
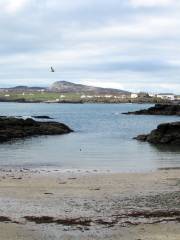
159 109
166 133
14 128
41 117
142 137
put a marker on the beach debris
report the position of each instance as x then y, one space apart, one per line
95 189
123 219
62 182
65 221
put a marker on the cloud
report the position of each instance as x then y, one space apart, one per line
151 3
130 44
13 6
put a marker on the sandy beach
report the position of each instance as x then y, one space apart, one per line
51 204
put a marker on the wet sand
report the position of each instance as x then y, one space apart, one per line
50 204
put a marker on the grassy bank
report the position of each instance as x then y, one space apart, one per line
38 96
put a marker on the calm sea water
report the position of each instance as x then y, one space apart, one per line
102 139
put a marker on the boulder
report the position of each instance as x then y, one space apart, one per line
14 128
166 133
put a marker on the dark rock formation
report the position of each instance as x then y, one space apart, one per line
166 133
41 117
159 109
14 128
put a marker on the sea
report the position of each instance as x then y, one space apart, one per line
102 139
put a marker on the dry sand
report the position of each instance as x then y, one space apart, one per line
42 204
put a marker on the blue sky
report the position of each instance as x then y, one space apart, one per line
128 44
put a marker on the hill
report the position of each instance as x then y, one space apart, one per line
69 87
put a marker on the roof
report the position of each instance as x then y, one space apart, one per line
166 94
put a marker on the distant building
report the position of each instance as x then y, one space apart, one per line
107 96
152 94
177 97
134 95
166 96
40 90
143 95
83 96
121 97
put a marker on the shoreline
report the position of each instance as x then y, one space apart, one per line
54 169
89 205
93 102
89 170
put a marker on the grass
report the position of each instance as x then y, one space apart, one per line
39 96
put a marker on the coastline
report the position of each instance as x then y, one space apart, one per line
73 102
45 204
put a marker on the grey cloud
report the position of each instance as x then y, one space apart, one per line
49 32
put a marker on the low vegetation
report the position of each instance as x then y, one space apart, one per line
48 96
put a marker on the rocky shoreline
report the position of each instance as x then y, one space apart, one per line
12 128
159 109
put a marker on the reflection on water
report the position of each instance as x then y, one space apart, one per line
172 149
102 139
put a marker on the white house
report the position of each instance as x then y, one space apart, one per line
134 95
107 96
166 96
152 94
120 97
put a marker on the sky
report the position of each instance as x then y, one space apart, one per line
127 44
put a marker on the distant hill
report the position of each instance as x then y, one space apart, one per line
69 87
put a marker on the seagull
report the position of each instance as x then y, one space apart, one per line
52 69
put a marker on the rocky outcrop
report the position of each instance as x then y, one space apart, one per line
167 133
159 109
14 128
41 117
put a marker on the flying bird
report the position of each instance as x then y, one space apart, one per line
52 69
